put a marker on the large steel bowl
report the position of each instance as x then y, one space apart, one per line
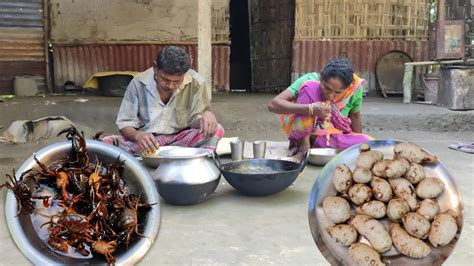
139 182
323 187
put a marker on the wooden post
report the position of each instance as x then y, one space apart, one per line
204 43
407 81
441 10
46 30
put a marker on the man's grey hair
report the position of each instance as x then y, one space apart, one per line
173 60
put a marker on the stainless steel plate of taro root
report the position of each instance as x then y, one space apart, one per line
450 199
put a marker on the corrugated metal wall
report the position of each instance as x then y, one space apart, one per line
311 56
76 63
221 67
22 50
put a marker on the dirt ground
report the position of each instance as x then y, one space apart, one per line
234 229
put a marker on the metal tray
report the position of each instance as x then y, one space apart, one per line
323 187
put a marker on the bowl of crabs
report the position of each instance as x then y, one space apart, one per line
82 202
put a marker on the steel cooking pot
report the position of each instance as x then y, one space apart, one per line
186 176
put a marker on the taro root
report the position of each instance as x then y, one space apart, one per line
416 225
363 255
342 178
379 167
408 245
343 234
368 158
362 175
381 189
416 173
397 168
404 190
396 208
373 208
429 188
443 229
337 209
413 153
360 193
428 208
364 147
373 230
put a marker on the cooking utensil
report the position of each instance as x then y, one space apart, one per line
260 177
186 176
320 156
139 182
259 148
154 160
323 187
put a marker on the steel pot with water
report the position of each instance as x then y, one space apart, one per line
186 176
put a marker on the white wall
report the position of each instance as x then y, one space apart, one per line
127 20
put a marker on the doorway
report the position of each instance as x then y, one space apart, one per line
240 64
271 38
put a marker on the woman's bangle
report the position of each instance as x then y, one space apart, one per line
310 109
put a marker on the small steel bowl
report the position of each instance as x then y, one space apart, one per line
138 180
154 160
320 156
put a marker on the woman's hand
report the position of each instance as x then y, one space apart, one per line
146 141
322 109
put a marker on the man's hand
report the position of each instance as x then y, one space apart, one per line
208 124
146 141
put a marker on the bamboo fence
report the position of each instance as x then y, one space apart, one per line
361 19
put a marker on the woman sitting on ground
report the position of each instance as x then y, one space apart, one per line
322 111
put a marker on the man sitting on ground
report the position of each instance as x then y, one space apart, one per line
166 105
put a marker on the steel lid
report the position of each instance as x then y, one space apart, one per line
184 153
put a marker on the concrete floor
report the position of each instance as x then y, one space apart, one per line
234 229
